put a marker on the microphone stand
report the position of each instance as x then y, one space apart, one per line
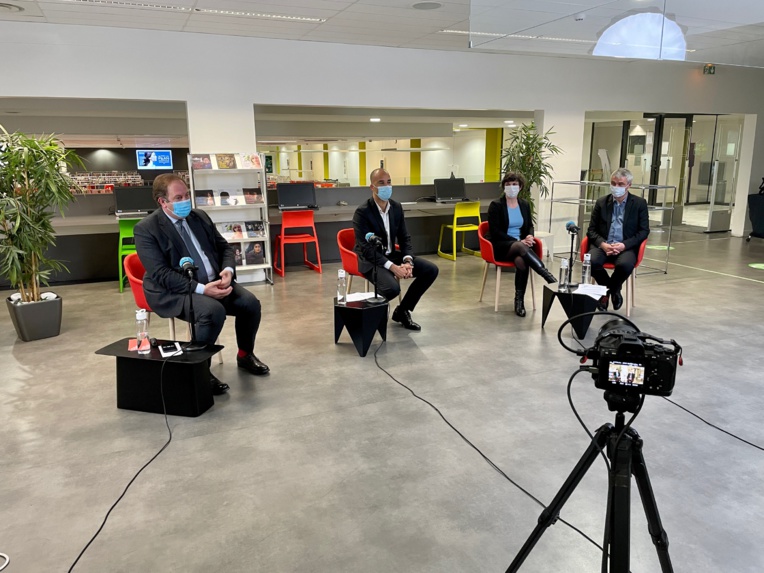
192 346
376 299
570 266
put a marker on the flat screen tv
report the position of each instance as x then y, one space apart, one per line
154 159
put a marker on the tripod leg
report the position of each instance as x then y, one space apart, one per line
550 515
619 503
654 526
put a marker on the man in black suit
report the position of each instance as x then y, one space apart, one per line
383 217
175 231
617 228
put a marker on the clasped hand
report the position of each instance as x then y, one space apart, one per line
614 249
529 240
403 271
220 288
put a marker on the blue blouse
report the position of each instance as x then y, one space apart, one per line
515 221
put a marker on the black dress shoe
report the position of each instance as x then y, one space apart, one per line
404 317
617 299
602 303
251 364
218 387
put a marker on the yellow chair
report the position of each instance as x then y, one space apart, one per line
125 246
466 210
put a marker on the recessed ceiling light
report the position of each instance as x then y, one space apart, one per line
457 129
258 15
651 119
10 8
427 6
121 4
509 121
463 125
374 119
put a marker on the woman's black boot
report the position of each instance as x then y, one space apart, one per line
535 263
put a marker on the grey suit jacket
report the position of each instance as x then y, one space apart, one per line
160 248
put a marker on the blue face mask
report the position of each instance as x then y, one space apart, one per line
385 192
182 208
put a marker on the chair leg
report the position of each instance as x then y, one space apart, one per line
533 292
220 354
482 286
121 271
629 294
467 250
350 281
172 329
449 256
496 295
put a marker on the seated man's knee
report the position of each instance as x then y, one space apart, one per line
212 315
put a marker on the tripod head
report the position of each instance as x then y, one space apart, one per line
622 402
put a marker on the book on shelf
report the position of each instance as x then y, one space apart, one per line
237 253
253 195
204 197
254 229
229 197
249 161
254 253
201 161
225 160
232 231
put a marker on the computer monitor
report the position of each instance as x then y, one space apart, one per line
154 159
292 196
450 189
133 200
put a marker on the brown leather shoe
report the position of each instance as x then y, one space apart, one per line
251 364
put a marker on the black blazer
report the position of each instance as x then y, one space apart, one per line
160 248
636 223
368 220
498 221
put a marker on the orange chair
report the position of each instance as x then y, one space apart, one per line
346 242
630 282
293 220
134 270
486 251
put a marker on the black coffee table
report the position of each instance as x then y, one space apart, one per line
573 303
361 319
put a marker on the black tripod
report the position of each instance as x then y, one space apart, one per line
626 459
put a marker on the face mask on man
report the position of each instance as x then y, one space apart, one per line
182 208
617 192
511 191
384 192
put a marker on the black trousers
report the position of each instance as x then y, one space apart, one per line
425 274
210 316
624 265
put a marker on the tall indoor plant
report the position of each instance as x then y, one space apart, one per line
527 151
33 187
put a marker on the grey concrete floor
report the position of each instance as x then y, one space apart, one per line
327 465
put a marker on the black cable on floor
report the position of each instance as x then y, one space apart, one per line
155 456
482 455
714 426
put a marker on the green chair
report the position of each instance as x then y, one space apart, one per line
126 246
466 210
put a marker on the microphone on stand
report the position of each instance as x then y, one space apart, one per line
373 239
187 268
570 227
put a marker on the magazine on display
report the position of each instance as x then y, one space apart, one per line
204 197
231 231
253 195
226 160
254 229
250 161
237 254
254 253
201 162
229 197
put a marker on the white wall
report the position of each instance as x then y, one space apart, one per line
220 96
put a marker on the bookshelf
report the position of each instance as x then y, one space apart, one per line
232 189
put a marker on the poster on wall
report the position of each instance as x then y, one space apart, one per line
269 163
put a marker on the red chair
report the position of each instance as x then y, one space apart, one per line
135 271
346 242
630 282
293 220
486 251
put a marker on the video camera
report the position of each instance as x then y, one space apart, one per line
631 362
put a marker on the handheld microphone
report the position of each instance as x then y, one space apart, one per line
570 227
187 266
373 239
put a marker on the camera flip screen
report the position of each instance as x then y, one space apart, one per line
626 373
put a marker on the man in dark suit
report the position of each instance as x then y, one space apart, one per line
617 228
383 217
175 231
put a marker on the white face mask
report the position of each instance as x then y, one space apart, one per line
511 191
617 192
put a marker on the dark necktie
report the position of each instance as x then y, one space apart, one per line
201 274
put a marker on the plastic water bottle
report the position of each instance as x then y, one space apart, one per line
142 330
341 287
586 270
563 282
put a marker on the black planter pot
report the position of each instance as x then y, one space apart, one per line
36 320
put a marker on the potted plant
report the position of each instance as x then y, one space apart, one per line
33 187
527 152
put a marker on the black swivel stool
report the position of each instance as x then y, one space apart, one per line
362 319
187 389
573 303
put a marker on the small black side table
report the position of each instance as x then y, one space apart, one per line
187 389
362 319
573 304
